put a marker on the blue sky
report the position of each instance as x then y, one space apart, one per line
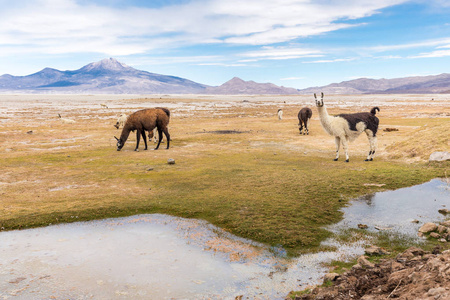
294 43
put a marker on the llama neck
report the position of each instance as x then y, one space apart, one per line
325 119
125 133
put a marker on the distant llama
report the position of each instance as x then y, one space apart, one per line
303 116
280 114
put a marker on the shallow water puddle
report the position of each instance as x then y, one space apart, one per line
163 257
397 210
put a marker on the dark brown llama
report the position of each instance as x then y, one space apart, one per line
145 120
303 116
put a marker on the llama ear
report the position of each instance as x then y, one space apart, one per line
315 96
116 138
322 95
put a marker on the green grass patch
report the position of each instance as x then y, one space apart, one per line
280 199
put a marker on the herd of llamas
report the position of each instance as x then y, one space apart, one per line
344 127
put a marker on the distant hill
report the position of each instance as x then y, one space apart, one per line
110 76
238 86
408 85
107 76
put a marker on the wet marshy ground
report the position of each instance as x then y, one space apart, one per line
164 257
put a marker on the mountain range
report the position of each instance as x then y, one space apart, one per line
110 76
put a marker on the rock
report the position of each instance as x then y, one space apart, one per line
363 262
442 229
374 250
439 156
415 251
330 277
171 161
444 211
362 226
436 291
415 221
428 227
435 235
447 236
446 223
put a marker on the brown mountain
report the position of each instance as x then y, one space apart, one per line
408 85
238 86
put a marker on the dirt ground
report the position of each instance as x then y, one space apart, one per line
37 115
413 274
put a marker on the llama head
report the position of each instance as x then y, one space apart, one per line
319 103
120 144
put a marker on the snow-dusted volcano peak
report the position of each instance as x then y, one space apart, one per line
110 64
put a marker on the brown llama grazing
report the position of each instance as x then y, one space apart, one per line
145 120
303 116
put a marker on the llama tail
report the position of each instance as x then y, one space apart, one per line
373 111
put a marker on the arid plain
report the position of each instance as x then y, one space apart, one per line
236 164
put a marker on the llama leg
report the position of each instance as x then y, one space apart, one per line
154 135
373 147
345 146
306 128
150 135
159 137
337 140
138 139
166 132
144 138
372 143
301 127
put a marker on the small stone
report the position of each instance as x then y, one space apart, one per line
446 223
435 235
415 221
444 211
362 226
442 229
171 161
150 169
374 250
428 227
436 291
363 262
439 156
330 277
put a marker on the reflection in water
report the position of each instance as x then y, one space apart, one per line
163 257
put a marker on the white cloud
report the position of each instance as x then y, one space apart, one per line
65 26
437 53
280 53
329 60
428 43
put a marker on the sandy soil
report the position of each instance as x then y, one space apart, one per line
191 114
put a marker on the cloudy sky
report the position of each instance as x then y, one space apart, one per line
294 43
